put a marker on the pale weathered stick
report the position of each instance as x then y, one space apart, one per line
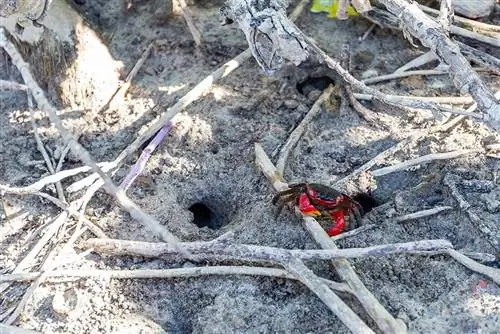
398 75
186 12
123 87
10 85
167 273
435 99
334 303
356 231
78 149
28 260
377 312
417 62
490 272
425 159
245 252
422 213
299 130
5 329
194 94
405 142
41 148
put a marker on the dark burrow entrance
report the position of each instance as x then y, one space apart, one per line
203 216
314 83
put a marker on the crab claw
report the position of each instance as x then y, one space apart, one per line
306 207
340 225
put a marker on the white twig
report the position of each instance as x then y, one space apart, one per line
424 159
299 130
422 213
186 12
167 273
417 62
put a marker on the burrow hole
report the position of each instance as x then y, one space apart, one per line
204 216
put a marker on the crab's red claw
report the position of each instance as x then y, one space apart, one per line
306 207
339 223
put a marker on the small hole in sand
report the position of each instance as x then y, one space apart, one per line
204 216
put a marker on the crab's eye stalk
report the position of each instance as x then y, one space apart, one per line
366 201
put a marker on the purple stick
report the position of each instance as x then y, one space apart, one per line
138 167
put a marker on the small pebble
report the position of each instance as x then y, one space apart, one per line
313 95
291 104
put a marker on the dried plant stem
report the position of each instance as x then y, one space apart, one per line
167 273
194 94
490 272
301 128
123 87
140 164
424 159
377 312
41 148
417 62
435 99
15 330
28 260
422 213
10 85
72 211
78 149
186 12
359 230
398 75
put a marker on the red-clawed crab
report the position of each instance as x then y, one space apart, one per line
341 212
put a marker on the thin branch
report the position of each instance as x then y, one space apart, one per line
10 85
167 273
123 87
417 62
356 231
41 148
140 164
301 128
398 75
186 12
422 213
15 330
433 36
423 160
490 272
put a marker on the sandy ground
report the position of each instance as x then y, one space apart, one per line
208 158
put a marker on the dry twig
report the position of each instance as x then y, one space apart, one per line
424 159
186 12
300 129
422 213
